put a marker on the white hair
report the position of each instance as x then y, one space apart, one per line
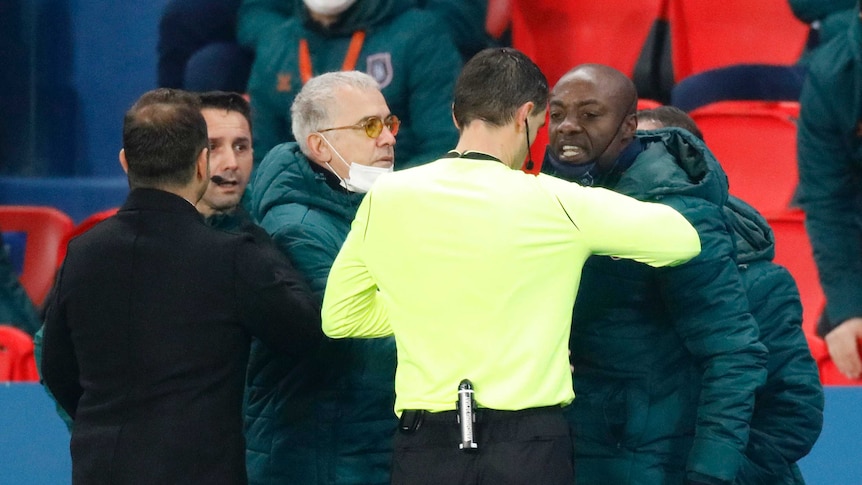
311 109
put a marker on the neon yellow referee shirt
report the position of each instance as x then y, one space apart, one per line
474 268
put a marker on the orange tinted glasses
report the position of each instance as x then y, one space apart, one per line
372 125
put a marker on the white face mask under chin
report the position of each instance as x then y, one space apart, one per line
328 7
360 178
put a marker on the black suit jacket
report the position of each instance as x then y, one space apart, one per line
147 337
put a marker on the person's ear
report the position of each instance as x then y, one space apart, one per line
630 126
455 120
202 165
523 114
123 162
318 148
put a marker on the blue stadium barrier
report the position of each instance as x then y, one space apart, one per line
74 68
114 62
836 458
79 197
34 442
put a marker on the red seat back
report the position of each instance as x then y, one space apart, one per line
644 104
560 35
17 362
830 376
793 251
755 142
85 226
706 34
46 229
498 18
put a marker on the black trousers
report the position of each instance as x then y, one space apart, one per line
532 446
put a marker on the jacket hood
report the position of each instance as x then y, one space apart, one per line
285 176
362 15
674 162
751 233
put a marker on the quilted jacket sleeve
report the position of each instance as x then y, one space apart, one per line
707 302
788 414
829 171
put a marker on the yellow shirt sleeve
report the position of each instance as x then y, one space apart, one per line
352 306
621 226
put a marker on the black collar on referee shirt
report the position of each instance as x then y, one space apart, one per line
473 155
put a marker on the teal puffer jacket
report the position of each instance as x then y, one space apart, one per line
464 18
829 152
327 419
788 409
666 361
408 50
834 17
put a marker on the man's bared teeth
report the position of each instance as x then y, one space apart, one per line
571 150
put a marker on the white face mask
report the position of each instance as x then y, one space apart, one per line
328 7
360 178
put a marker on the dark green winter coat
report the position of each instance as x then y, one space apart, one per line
328 419
833 17
788 409
829 144
407 50
666 361
464 18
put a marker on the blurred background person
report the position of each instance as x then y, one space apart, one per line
829 144
390 40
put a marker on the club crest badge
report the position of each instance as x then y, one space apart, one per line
283 85
379 66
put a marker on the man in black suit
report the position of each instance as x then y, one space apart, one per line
147 332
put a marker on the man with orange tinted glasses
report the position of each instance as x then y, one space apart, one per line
327 418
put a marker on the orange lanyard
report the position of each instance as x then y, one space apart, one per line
305 70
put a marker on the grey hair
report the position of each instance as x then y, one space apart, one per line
311 109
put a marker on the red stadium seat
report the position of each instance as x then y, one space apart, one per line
17 362
85 226
755 141
499 17
793 251
648 104
830 376
706 34
560 35
46 229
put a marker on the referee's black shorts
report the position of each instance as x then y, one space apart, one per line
532 446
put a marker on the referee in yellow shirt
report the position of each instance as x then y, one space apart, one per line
473 266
